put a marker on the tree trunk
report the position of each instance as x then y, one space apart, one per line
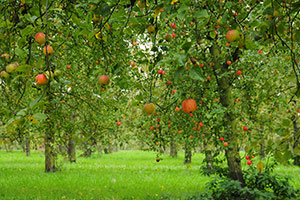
71 150
296 140
229 120
209 159
27 146
108 149
7 147
49 153
262 150
50 156
173 148
187 153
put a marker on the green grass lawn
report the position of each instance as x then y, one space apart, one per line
120 175
124 174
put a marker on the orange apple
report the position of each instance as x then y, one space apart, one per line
149 108
49 50
189 105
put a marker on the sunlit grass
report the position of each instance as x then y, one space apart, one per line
124 174
120 175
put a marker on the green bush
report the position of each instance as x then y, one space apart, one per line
259 186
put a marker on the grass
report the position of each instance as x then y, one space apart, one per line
120 175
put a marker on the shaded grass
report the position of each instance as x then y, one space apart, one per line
120 175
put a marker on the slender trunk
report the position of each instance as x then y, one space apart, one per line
50 156
71 150
108 150
7 147
209 159
173 148
262 150
27 146
229 121
187 153
49 153
296 140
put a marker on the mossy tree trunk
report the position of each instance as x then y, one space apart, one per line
173 148
50 155
27 146
222 74
187 153
209 158
296 140
72 149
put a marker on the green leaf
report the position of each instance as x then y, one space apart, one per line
250 44
180 57
297 151
195 74
33 102
27 31
297 36
178 73
268 11
279 157
40 116
23 68
186 46
212 34
201 14
286 122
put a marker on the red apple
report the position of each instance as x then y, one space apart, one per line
245 128
40 38
49 50
6 56
151 128
221 139
103 80
177 109
225 144
174 91
69 66
160 71
149 108
239 73
173 35
228 62
249 162
201 124
118 123
189 105
247 157
41 80
173 25
232 35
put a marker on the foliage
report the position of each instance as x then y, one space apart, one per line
258 186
